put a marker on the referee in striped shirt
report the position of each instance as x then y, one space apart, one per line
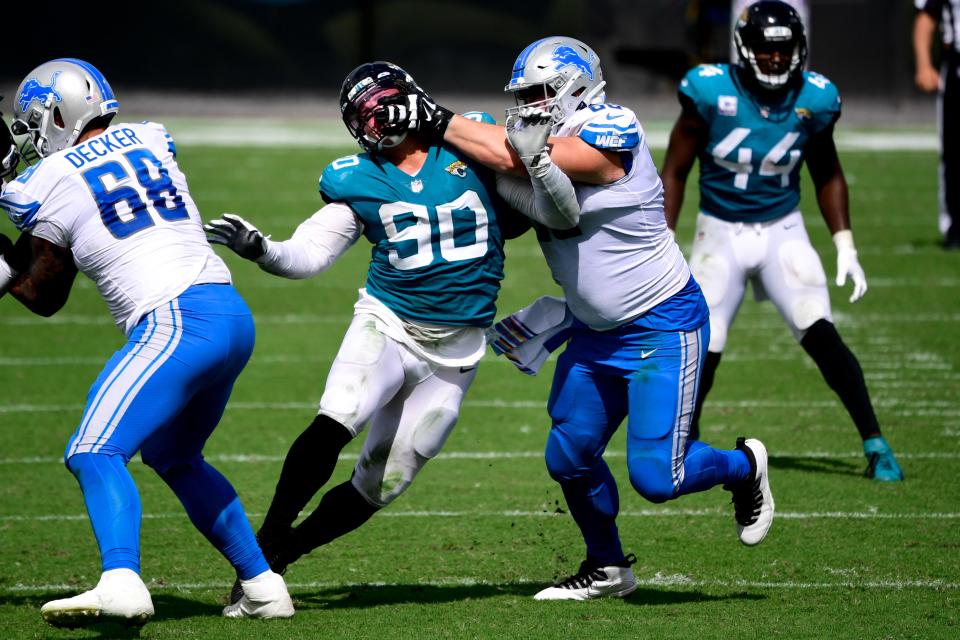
947 81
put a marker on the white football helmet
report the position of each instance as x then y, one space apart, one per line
57 100
559 75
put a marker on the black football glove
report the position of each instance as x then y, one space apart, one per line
233 231
417 112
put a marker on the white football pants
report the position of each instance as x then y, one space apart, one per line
775 256
411 405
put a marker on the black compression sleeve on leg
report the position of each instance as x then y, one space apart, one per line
710 364
341 510
309 464
843 374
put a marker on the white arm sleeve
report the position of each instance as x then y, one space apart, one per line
315 245
549 199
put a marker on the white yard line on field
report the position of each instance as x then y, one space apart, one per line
639 513
847 319
248 458
892 406
657 580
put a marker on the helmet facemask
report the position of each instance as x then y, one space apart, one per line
9 154
361 93
558 75
771 42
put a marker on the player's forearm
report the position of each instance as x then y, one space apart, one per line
316 244
673 187
924 27
833 198
43 299
484 143
555 209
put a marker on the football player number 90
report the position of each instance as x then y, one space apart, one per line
409 228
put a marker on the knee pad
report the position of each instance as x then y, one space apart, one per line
803 273
381 475
651 479
348 382
432 431
568 458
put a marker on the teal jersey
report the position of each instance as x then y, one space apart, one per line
437 254
750 165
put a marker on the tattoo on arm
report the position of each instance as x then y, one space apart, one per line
45 285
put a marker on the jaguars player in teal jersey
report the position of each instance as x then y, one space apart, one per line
437 227
752 126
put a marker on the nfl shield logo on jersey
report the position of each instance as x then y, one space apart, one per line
416 186
727 105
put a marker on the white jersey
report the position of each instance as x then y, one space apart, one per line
619 261
121 204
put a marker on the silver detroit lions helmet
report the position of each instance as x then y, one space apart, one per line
559 74
57 100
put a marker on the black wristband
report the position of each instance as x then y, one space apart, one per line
437 125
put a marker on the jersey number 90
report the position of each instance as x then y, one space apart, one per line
409 227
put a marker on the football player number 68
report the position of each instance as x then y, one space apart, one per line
410 229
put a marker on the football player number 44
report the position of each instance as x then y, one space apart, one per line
743 166
408 226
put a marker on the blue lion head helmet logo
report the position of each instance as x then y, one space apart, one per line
565 56
33 90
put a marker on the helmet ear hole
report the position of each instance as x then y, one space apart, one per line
58 118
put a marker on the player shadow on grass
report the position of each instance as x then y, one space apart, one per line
167 606
817 465
365 596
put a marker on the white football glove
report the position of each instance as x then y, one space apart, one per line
242 237
847 264
527 130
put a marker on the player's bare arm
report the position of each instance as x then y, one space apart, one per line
488 145
485 143
44 286
927 78
828 180
833 198
687 138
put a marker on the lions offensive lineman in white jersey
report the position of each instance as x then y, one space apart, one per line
639 325
110 201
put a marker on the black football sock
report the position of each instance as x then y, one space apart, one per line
843 374
341 510
710 364
307 467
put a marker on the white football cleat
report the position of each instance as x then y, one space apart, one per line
752 499
264 596
591 581
120 596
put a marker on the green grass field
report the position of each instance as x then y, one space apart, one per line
483 527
